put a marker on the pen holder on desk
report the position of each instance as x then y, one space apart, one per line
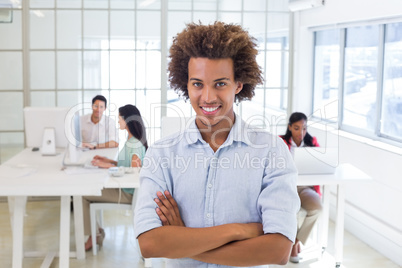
116 171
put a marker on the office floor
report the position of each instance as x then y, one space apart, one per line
119 250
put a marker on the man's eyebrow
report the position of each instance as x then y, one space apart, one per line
216 80
220 79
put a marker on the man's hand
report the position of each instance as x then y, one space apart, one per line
169 214
103 162
88 145
100 158
168 210
175 240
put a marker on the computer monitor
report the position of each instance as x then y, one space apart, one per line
41 122
316 160
72 128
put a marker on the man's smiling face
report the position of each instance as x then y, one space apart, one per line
212 90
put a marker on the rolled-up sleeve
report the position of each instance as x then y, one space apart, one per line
279 201
151 181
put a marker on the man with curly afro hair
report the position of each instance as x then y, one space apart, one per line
216 41
219 192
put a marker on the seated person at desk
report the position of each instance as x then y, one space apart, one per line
97 130
227 213
130 156
310 196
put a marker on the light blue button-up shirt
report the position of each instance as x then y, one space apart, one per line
250 178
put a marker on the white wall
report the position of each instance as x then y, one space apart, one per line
373 210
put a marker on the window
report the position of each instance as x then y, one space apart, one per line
11 80
273 57
360 76
391 112
369 59
326 72
72 50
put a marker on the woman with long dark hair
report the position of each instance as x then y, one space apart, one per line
131 155
310 196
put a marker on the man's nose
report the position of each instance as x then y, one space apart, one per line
208 94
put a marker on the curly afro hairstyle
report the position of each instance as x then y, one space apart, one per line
215 41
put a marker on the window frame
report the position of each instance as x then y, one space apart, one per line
377 134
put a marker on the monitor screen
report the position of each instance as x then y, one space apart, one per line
38 118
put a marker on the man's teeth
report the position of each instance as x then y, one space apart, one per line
209 109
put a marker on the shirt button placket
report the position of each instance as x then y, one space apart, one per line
210 194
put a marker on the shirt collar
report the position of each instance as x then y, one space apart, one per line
293 144
101 122
192 133
237 133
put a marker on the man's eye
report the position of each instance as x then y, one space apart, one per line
197 84
220 84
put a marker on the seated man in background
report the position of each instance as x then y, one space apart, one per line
98 131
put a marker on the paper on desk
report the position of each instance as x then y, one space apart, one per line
81 170
17 171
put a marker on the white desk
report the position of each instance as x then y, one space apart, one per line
45 178
129 180
345 173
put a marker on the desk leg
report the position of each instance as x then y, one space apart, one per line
11 202
79 227
339 228
64 254
323 227
18 230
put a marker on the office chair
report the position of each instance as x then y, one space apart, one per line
94 207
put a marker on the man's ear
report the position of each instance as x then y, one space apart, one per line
239 87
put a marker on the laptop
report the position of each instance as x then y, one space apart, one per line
316 160
75 154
